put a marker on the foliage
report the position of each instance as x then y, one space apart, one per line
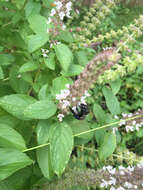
52 60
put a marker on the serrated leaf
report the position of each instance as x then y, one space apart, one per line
50 61
73 70
42 131
44 161
108 146
111 101
43 109
64 56
10 138
39 28
61 144
36 41
11 161
99 113
29 66
16 103
115 85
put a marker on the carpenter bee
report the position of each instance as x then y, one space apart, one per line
80 111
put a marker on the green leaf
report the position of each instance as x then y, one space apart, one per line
65 36
108 146
43 93
64 56
42 131
50 61
82 57
29 66
115 85
10 138
6 59
73 70
43 109
111 101
32 8
19 4
39 28
36 41
44 161
61 144
1 73
15 104
12 160
59 84
99 113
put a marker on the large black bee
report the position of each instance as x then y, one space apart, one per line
80 112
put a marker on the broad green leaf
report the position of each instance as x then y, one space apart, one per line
43 93
32 8
73 70
4 185
1 73
17 83
50 61
61 144
44 161
65 36
82 57
64 56
43 109
115 85
111 101
29 66
108 146
59 84
36 41
9 120
16 103
10 138
99 113
6 59
12 160
39 28
42 131
19 4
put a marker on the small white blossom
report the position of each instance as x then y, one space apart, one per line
112 171
65 104
128 185
122 123
134 122
104 183
60 117
61 15
82 100
112 188
53 12
112 181
129 128
74 109
116 117
130 115
86 93
73 99
120 188
58 5
135 186
131 169
124 114
67 85
114 130
49 20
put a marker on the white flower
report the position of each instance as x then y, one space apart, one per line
124 114
73 99
122 123
120 188
60 117
67 85
104 184
112 171
49 20
68 6
68 14
130 115
121 167
129 128
74 109
114 130
53 12
127 184
65 104
58 5
135 186
134 122
112 188
45 55
86 93
82 100
116 117
112 181
61 15
109 167
131 169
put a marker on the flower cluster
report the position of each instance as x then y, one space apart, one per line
132 125
44 52
60 10
120 178
78 91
